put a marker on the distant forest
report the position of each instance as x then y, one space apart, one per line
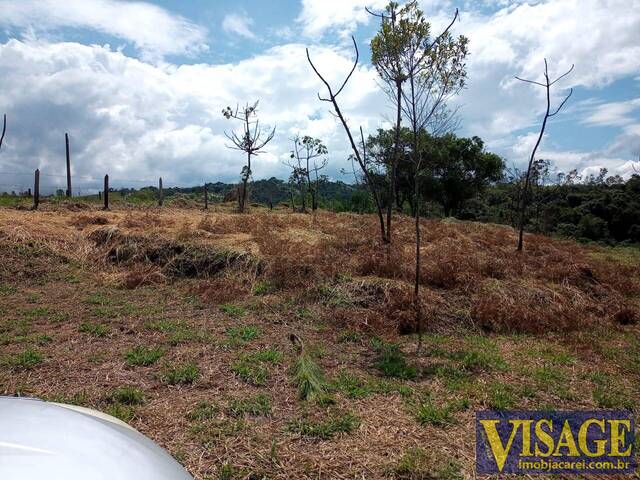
603 209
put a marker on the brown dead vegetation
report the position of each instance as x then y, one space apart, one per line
191 283
472 276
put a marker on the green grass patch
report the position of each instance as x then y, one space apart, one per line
203 411
349 336
127 396
427 412
36 313
7 289
143 356
500 396
255 406
417 464
25 360
185 374
233 310
263 288
120 411
98 330
610 392
98 299
243 334
392 362
353 386
337 423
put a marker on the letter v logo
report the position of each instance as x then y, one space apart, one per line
500 452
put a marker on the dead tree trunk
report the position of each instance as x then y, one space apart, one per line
106 192
36 189
4 129
66 142
527 181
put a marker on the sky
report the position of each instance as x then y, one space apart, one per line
140 86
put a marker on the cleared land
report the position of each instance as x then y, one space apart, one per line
179 321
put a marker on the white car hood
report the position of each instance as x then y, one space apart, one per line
42 440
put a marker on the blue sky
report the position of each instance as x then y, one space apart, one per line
140 85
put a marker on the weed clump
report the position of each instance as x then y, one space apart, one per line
143 356
325 430
185 374
254 406
127 396
392 362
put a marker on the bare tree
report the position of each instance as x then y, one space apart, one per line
547 86
315 181
252 141
437 72
305 151
299 174
4 129
361 158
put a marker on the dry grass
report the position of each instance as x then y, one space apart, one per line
223 292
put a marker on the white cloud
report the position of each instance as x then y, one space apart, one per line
152 29
135 120
238 24
613 113
515 40
321 16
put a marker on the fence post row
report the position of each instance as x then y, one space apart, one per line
36 189
106 192
66 141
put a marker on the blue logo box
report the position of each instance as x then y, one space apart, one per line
582 442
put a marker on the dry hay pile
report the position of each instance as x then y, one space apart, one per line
175 259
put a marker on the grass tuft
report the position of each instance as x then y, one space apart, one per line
143 356
184 374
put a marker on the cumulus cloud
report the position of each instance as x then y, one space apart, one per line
238 24
515 39
138 121
322 16
152 29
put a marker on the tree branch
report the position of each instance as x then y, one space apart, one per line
4 129
562 104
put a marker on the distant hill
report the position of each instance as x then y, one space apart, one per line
273 189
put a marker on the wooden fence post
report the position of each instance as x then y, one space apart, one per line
206 197
160 193
36 189
106 192
66 142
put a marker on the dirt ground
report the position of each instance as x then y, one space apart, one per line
178 321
